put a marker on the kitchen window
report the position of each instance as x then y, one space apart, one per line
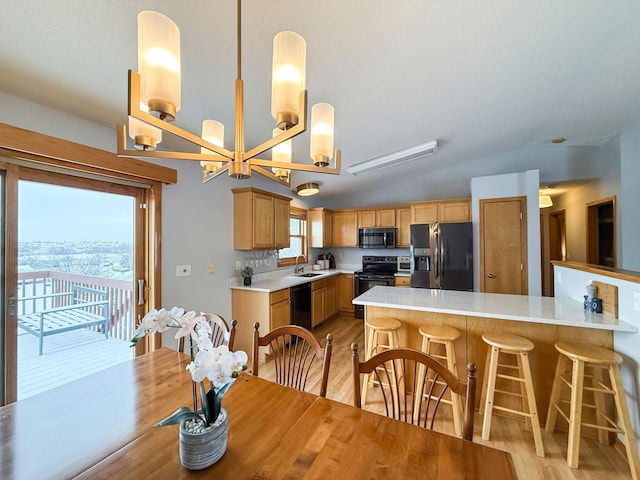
297 238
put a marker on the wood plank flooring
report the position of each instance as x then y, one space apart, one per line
509 434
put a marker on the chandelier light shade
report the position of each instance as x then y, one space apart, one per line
321 134
154 99
145 137
308 189
544 201
212 132
159 64
288 76
281 153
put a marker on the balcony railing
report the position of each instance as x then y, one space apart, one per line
48 285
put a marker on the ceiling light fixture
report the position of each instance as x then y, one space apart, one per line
308 189
395 158
544 201
154 100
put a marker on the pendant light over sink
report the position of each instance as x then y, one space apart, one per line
155 101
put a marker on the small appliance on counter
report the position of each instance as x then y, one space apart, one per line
404 264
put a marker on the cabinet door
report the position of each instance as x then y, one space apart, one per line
330 299
345 292
386 217
452 212
402 281
327 224
345 229
321 228
317 306
281 214
403 217
424 212
366 218
263 221
280 314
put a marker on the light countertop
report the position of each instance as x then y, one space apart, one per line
524 308
279 280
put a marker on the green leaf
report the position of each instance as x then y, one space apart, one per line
183 413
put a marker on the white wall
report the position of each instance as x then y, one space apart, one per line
504 186
629 201
571 283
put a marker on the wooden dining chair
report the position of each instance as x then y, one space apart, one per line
294 350
221 334
423 375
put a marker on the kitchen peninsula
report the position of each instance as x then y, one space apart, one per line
543 320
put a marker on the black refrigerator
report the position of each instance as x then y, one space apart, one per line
442 256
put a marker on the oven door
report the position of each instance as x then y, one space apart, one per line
366 282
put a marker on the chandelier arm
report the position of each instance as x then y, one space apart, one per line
134 111
301 127
254 162
270 175
206 176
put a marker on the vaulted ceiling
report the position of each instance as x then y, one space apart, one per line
493 81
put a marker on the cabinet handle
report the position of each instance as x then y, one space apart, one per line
490 275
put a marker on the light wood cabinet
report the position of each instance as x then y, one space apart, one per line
345 292
270 310
321 227
345 228
377 218
403 218
443 211
260 219
324 302
402 281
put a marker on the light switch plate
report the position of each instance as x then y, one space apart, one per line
183 270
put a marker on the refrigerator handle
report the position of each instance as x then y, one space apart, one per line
437 255
442 257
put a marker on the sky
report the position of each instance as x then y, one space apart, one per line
53 213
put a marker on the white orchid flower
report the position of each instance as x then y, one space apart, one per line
187 322
239 360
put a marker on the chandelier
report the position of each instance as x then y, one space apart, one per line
154 101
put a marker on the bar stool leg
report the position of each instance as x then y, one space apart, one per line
418 394
483 393
531 399
456 403
623 416
598 400
552 413
491 386
392 337
575 414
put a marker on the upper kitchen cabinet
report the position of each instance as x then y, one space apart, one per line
443 211
345 228
321 221
382 217
260 219
403 219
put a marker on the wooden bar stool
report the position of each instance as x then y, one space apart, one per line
375 328
446 336
520 347
598 358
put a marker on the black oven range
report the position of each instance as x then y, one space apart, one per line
375 271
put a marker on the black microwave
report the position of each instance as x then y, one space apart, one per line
377 237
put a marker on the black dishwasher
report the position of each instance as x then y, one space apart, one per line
301 305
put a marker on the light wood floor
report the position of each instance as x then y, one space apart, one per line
596 461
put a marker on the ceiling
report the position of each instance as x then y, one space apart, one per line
493 81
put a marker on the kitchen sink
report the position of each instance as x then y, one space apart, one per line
307 274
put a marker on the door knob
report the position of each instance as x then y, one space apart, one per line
490 275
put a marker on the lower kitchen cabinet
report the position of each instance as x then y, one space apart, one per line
324 302
271 310
345 292
402 281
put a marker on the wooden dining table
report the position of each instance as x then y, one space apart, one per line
101 426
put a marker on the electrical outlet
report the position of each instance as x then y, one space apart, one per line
340 256
238 265
183 270
211 267
636 301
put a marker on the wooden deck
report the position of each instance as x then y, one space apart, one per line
67 357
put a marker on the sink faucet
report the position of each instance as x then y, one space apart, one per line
300 269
